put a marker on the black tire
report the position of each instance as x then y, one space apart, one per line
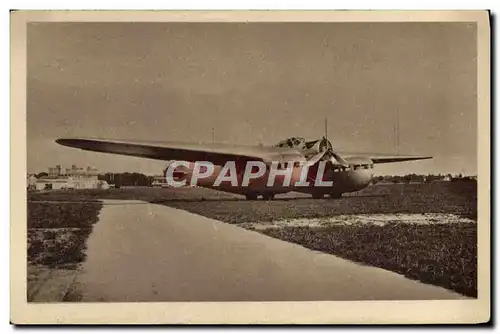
318 196
251 197
268 197
336 195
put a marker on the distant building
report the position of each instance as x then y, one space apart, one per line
68 178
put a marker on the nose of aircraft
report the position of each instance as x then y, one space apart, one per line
361 178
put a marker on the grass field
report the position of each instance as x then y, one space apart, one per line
441 254
57 232
448 197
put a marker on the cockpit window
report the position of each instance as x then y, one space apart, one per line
292 142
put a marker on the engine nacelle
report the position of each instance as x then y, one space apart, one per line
314 147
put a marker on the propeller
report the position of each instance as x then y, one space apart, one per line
325 149
327 153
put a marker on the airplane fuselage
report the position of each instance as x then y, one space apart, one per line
335 180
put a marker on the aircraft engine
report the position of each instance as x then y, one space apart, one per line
322 150
318 146
315 150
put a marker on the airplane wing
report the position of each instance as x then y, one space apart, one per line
385 158
388 159
215 153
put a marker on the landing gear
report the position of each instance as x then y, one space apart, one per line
251 197
268 197
336 195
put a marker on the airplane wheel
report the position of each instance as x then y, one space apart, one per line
336 195
318 196
251 197
268 197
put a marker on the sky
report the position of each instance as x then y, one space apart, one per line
254 83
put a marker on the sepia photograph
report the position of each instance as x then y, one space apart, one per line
200 162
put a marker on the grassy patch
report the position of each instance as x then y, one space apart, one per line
147 194
57 231
441 254
446 197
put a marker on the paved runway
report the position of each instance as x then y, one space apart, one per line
148 252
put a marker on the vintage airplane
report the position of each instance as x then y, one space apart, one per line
348 172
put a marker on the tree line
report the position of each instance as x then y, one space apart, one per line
420 178
127 179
